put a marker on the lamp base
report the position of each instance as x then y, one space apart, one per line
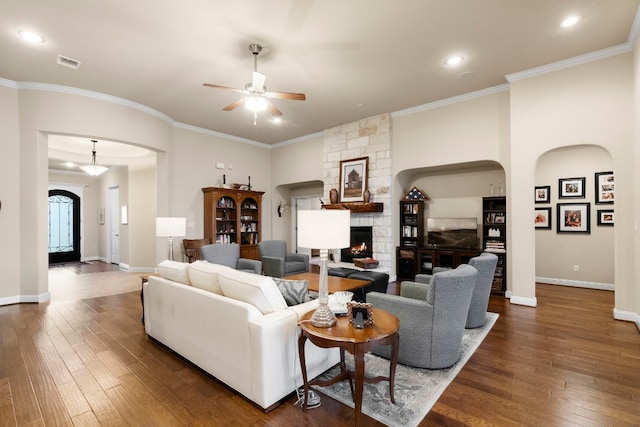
323 317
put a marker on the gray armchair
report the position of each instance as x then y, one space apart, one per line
229 254
277 262
485 263
432 317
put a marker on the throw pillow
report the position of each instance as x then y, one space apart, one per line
294 291
174 270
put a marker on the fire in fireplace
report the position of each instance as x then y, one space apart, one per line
361 244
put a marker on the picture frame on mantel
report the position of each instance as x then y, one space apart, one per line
354 175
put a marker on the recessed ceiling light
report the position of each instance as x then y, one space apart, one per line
570 21
277 120
70 164
452 61
30 36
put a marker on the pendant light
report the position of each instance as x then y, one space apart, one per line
93 169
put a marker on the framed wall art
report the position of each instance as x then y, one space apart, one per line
605 191
543 218
353 179
605 217
542 194
571 188
573 218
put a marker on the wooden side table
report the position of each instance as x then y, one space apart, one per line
384 331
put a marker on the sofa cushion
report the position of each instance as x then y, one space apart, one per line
294 291
204 275
175 271
259 291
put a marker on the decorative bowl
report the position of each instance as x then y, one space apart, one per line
342 297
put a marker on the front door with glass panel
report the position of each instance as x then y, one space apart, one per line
64 226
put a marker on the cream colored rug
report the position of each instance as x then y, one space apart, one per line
416 390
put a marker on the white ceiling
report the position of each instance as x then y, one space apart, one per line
352 58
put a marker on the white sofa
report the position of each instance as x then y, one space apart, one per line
234 325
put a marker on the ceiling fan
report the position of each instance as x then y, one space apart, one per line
256 92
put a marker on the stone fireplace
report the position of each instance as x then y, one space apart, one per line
370 137
361 245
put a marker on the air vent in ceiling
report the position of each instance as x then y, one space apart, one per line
67 62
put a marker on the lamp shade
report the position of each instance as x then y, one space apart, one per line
171 227
324 229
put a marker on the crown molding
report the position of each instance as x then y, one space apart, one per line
220 134
570 62
452 100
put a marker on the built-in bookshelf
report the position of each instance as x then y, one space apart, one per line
494 238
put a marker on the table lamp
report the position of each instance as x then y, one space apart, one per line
324 230
171 227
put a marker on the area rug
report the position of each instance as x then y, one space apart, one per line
416 390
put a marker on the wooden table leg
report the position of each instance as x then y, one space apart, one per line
359 359
395 347
303 366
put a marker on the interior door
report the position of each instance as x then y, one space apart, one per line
113 219
64 226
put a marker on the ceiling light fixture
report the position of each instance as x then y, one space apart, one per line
93 169
452 61
570 21
277 120
255 104
30 36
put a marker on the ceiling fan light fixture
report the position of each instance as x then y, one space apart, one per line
255 104
93 169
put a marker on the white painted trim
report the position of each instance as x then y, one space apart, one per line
8 83
627 316
452 100
21 299
508 294
576 283
635 28
570 62
531 302
219 134
123 266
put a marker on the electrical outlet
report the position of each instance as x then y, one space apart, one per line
576 268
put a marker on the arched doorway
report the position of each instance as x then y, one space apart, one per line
64 226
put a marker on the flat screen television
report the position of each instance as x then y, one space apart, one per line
454 233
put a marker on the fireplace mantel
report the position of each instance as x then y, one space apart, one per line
357 207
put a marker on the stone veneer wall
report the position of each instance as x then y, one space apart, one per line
371 138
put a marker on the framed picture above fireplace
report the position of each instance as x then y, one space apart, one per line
353 179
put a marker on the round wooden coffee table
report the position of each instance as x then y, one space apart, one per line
384 331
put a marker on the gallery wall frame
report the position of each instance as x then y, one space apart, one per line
605 217
542 194
571 188
354 174
605 187
573 218
543 218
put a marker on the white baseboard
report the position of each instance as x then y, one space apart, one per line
22 299
530 302
576 283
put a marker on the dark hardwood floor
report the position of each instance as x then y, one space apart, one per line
88 362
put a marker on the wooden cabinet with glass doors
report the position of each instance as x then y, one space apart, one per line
234 216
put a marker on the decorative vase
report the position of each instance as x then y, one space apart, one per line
333 196
366 195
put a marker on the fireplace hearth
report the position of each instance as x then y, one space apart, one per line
361 244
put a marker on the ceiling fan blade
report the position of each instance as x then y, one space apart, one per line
286 95
273 109
258 80
223 87
234 105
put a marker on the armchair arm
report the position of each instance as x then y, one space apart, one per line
249 264
415 290
273 266
298 257
424 278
